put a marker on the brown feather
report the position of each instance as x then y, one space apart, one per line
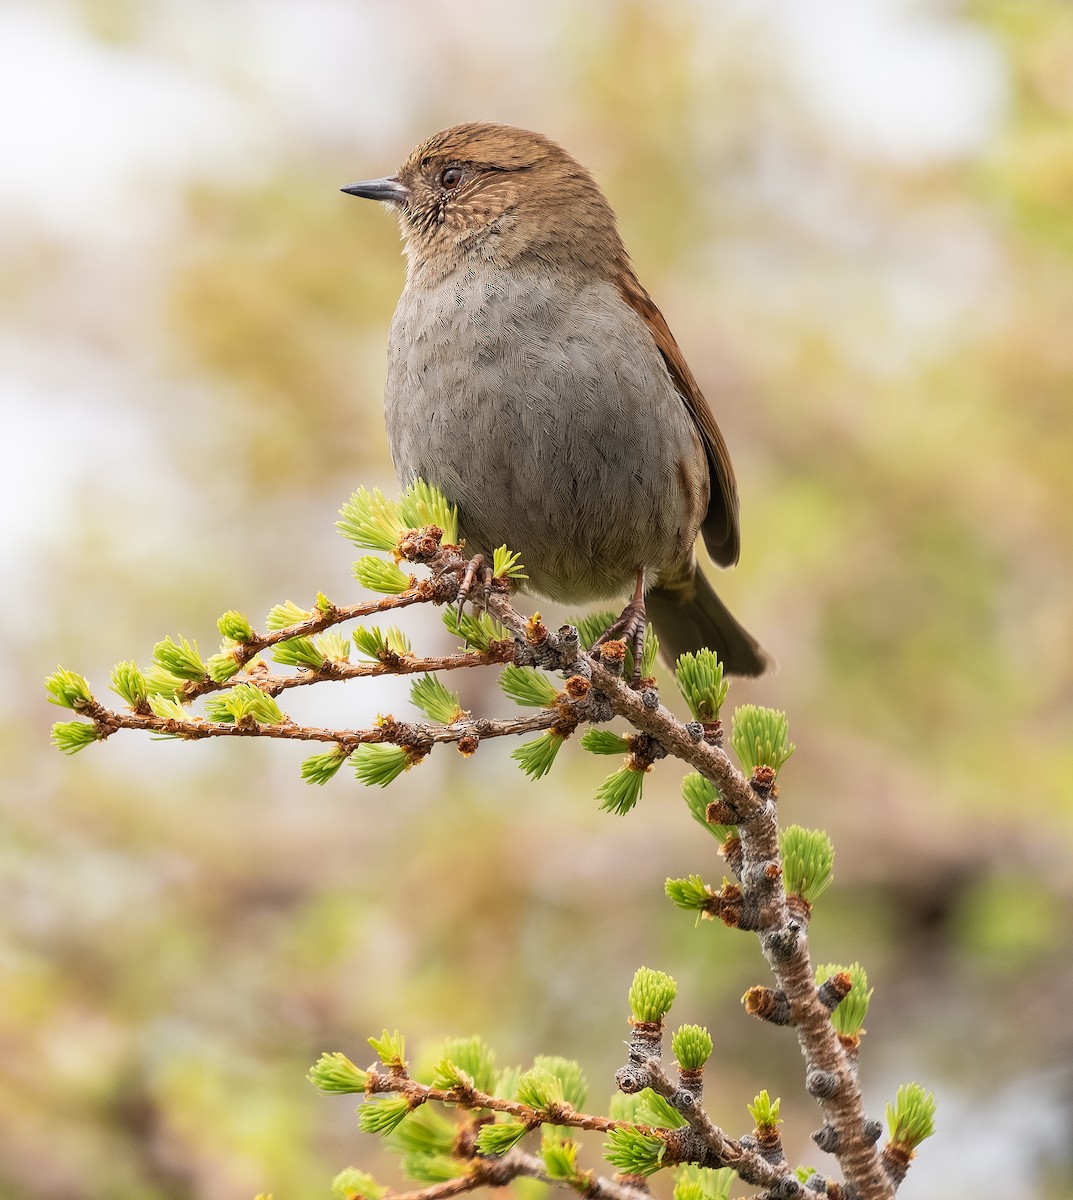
720 526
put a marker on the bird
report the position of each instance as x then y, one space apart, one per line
532 379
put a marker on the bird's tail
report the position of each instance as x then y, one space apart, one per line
689 615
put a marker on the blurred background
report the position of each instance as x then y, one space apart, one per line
857 216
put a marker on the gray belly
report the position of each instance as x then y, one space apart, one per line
547 415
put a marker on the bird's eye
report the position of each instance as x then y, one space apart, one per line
450 177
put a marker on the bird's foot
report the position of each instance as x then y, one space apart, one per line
476 583
630 628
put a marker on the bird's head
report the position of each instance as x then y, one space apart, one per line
498 193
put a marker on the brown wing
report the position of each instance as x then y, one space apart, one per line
720 526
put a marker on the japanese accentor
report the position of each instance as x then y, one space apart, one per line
531 378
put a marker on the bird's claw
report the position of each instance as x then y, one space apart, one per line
476 583
630 628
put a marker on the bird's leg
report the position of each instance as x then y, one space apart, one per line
478 574
630 626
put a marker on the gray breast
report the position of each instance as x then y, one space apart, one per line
548 416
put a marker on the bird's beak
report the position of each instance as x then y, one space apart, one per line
390 190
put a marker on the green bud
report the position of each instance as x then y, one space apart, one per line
653 1109
223 666
536 757
539 1088
569 1074
352 1184
448 1075
298 652
375 643
390 1048
765 1111
848 1017
319 768
477 632
167 708
703 1183
651 995
333 646
620 792
422 505
911 1118
506 1081
698 792
382 1116
129 684
68 689
807 860
71 736
242 701
507 565
435 701
430 1168
378 575
623 1107
686 1189
692 1046
181 659
603 741
282 616
560 1158
336 1073
528 686
700 679
476 1058
759 738
649 650
236 626
500 1137
634 1153
377 763
691 892
371 521
163 683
